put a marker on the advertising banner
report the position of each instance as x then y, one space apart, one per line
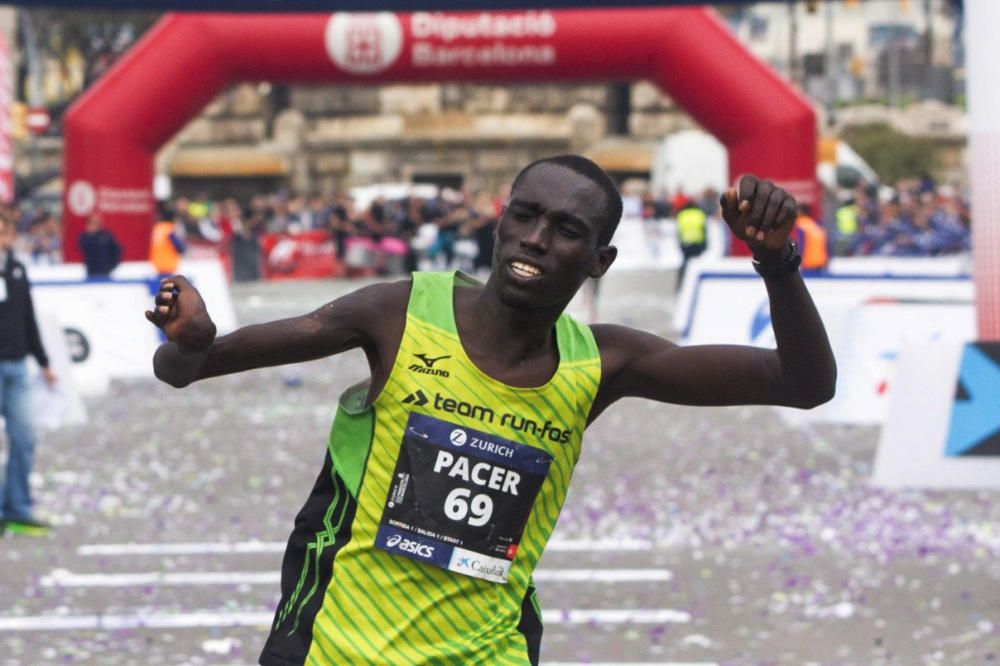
6 102
868 319
345 5
943 419
106 334
767 125
311 254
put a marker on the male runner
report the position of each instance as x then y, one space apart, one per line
446 471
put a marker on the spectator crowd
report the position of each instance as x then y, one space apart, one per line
914 219
398 233
381 235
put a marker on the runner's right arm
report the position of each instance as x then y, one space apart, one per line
363 318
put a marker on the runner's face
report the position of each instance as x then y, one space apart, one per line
547 238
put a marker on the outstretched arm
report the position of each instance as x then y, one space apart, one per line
801 372
193 352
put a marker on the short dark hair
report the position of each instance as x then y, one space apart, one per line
612 212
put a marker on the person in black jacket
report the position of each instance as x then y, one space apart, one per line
101 250
19 337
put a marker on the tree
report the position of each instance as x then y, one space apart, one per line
891 154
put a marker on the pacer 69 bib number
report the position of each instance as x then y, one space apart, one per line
461 504
460 498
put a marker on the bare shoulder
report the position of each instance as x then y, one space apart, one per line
621 347
384 295
617 340
374 308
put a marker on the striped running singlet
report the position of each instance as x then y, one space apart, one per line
418 541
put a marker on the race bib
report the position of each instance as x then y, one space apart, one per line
460 498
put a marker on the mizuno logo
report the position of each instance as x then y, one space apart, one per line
428 365
429 362
417 398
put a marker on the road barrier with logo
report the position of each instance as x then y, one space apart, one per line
102 321
943 429
59 405
310 254
868 317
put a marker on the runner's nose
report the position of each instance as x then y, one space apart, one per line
537 238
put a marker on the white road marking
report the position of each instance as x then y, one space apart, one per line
616 616
600 545
209 548
250 547
602 575
264 619
62 578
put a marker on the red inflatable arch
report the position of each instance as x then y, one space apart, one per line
113 132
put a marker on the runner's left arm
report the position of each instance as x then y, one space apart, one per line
800 372
193 352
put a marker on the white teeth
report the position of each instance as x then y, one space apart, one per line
524 270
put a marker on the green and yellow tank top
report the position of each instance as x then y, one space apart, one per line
420 536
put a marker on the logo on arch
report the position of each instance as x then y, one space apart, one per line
81 198
365 43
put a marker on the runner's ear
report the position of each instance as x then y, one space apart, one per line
602 262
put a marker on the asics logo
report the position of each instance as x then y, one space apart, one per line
410 546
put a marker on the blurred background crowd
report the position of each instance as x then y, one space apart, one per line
378 234
267 162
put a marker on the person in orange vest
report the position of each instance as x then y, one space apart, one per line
166 246
812 239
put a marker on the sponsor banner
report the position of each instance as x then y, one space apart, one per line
345 5
86 368
103 324
311 254
518 44
862 267
6 130
868 353
919 436
83 198
106 320
369 43
867 318
983 65
974 430
60 405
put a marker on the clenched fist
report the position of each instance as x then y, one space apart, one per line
760 213
181 314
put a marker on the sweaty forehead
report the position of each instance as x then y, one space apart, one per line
555 187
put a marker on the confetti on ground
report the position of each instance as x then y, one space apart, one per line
778 547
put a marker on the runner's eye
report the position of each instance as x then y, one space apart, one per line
569 231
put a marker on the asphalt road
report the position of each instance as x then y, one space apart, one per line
690 535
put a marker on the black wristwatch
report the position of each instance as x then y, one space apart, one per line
786 266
